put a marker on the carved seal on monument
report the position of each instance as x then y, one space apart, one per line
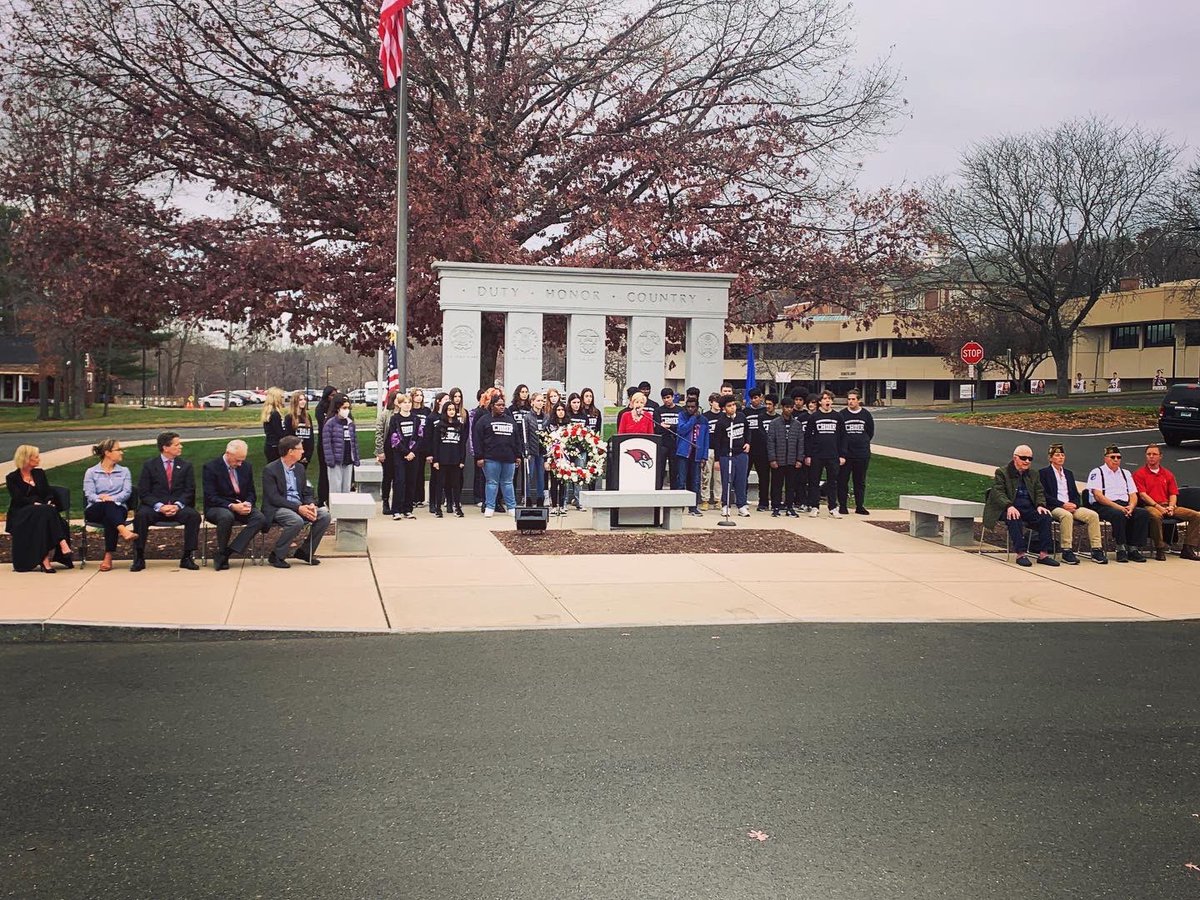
648 342
525 339
462 338
588 341
708 345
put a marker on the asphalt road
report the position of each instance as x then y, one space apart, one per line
53 440
921 431
926 761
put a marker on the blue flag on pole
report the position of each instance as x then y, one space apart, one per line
751 380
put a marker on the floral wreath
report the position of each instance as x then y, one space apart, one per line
566 444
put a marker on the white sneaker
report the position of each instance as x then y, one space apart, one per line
744 511
488 513
813 513
836 513
513 512
725 511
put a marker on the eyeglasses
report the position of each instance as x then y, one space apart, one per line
1025 458
1114 456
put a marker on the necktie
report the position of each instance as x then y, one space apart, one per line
233 478
170 466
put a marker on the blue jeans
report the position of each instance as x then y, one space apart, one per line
734 472
687 476
536 481
499 475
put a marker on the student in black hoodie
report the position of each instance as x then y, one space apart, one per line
404 443
440 399
824 451
448 444
733 453
498 451
667 419
860 431
557 417
755 413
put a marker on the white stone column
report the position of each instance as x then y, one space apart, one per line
522 351
705 345
646 358
586 339
462 335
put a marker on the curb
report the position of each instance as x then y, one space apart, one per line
78 633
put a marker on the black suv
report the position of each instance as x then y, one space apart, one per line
1179 415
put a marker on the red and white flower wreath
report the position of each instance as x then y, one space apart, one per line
566 444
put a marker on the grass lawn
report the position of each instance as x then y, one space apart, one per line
888 478
197 452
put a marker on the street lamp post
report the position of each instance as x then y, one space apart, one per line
143 376
817 369
307 383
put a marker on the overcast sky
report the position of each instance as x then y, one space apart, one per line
974 68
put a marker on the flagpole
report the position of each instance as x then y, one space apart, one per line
402 210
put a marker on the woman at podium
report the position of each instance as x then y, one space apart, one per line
636 420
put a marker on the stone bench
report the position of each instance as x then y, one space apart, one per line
369 478
925 510
672 503
351 512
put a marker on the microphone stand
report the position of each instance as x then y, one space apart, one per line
726 482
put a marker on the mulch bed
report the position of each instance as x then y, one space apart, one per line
163 543
1064 420
993 541
718 540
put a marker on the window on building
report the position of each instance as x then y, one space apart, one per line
872 349
913 347
1124 337
8 388
1191 333
1160 334
900 391
839 351
941 390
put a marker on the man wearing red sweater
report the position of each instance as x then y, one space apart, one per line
1158 492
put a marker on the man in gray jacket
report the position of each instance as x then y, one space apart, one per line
289 503
785 458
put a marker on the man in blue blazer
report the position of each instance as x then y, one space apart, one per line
229 496
1062 499
167 491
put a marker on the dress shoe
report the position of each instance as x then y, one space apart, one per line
861 512
1160 554
1047 561
1189 553
278 563
304 557
220 562
47 571
188 563
1136 556
67 560
1024 560
139 563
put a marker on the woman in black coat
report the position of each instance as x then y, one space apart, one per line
323 413
39 534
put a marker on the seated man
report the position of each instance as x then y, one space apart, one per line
1017 495
288 502
1114 497
167 488
1062 497
1158 491
229 496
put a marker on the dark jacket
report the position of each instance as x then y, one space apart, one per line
860 431
825 435
21 495
303 429
785 445
497 438
448 442
731 435
1004 492
273 429
1050 487
218 488
403 435
275 489
152 483
534 424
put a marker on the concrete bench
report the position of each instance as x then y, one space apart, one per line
351 512
602 503
924 512
369 478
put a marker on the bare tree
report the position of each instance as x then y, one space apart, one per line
1040 224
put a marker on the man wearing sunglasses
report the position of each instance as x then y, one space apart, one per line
1018 498
1114 497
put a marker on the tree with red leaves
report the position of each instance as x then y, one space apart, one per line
670 134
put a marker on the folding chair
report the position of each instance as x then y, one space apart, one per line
1002 526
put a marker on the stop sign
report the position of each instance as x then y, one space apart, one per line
971 353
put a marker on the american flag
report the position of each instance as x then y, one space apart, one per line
393 368
391 39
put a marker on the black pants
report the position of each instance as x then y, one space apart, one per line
830 467
389 473
224 518
449 481
1131 530
322 475
416 480
186 516
271 452
111 516
404 472
1038 523
558 491
856 469
762 468
435 488
783 485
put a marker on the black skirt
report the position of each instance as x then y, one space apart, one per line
36 531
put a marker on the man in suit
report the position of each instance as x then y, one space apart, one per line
1066 507
167 488
229 497
289 503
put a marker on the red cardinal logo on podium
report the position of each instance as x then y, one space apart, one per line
641 457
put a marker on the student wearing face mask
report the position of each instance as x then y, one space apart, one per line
824 452
339 439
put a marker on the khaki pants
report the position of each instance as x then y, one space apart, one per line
1066 526
1191 536
710 481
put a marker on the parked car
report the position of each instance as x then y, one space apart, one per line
216 400
250 396
1179 415
358 396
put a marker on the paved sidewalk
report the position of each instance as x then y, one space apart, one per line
451 574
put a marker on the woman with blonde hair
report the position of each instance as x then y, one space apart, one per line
272 422
636 420
39 534
107 487
298 423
